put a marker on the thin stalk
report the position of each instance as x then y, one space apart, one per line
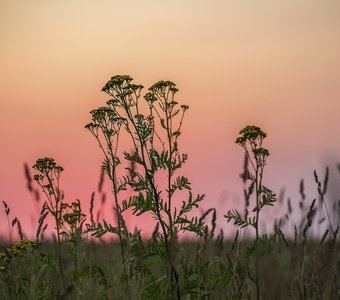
7 211
118 211
112 177
9 231
257 279
56 210
157 200
169 135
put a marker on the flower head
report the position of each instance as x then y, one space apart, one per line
116 81
184 107
47 164
150 97
250 133
102 113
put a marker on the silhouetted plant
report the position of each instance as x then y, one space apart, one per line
10 224
154 136
106 127
72 221
251 141
48 179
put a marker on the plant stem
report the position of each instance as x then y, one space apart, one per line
257 277
157 202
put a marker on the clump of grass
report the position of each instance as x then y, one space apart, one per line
10 224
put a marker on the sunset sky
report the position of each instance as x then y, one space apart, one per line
275 64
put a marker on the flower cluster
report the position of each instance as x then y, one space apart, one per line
46 164
72 221
18 249
253 136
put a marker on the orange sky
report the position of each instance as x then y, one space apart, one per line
275 64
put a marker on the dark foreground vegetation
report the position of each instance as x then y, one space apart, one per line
207 270
82 261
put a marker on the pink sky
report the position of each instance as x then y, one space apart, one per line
275 64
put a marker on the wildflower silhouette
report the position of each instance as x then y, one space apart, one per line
154 124
251 140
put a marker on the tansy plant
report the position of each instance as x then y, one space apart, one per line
48 179
68 217
153 123
251 139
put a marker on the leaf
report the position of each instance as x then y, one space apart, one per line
235 216
125 205
160 160
194 225
123 182
180 183
100 230
175 113
178 161
133 157
142 204
106 167
182 221
261 246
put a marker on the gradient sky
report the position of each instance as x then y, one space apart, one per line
275 64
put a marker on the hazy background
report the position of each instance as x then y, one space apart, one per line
275 64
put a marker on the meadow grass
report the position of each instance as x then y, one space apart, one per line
92 258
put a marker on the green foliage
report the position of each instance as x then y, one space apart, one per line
262 266
234 215
154 124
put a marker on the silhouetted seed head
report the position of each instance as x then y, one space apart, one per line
101 180
28 177
235 240
21 235
103 200
290 209
36 195
302 190
325 181
7 209
91 208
